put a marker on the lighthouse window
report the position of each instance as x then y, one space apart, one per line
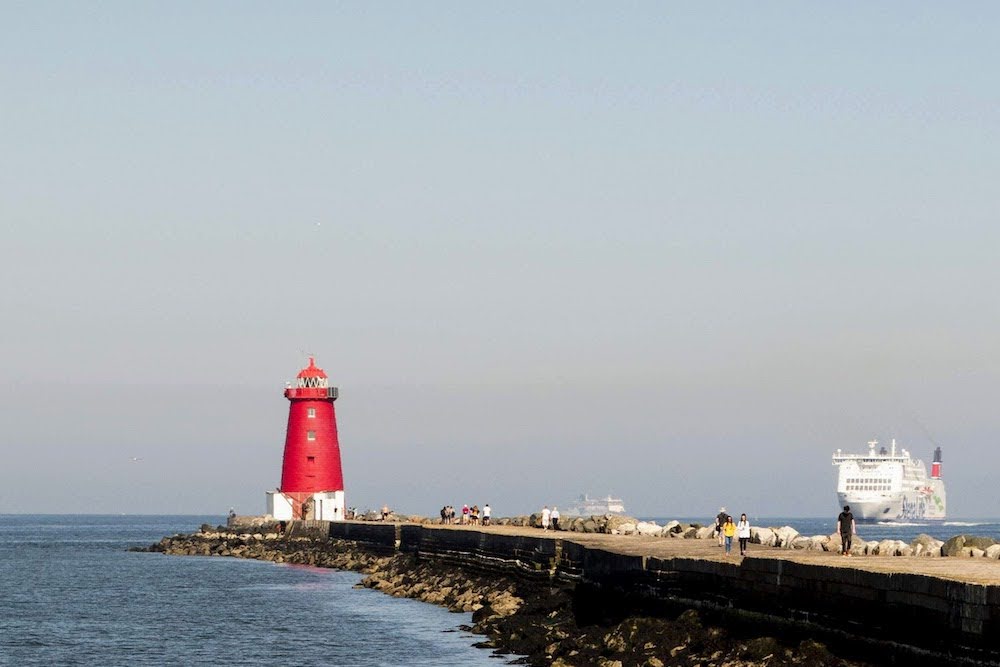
310 435
311 413
311 459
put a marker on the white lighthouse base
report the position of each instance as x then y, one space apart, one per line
329 506
279 506
326 506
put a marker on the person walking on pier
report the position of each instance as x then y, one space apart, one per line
729 530
743 533
720 520
486 514
555 518
545 517
845 522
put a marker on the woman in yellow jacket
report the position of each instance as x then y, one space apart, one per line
729 530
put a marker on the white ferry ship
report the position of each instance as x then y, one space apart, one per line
587 506
890 485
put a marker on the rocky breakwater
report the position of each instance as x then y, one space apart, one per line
550 624
787 537
783 537
270 546
531 621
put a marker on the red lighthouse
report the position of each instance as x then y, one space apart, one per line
312 481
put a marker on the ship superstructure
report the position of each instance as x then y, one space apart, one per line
890 485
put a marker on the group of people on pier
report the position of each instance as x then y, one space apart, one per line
471 516
726 530
550 517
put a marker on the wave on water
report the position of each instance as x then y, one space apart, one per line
963 523
904 523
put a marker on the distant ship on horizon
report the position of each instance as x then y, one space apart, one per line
890 486
584 505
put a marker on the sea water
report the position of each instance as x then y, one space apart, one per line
70 594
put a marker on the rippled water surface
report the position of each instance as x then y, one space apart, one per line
71 595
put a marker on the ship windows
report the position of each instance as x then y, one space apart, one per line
311 459
310 435
311 413
868 484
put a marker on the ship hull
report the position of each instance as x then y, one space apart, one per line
925 505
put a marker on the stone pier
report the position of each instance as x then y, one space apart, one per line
923 610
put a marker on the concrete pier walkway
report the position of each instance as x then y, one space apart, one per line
984 571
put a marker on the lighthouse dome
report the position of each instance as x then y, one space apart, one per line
312 370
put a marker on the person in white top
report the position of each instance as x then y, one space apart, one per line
486 514
743 532
545 517
555 518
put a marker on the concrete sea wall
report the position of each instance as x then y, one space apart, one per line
922 618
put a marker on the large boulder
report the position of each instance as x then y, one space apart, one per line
599 520
648 528
925 545
786 534
704 533
672 527
818 543
955 545
616 521
800 542
887 548
763 536
626 528
860 547
833 543
993 551
979 542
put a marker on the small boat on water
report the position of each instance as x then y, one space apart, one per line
586 506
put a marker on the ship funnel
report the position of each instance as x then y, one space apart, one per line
936 465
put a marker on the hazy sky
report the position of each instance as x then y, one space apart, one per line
672 252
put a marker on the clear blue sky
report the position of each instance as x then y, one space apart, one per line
672 252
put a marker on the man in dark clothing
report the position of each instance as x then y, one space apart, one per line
845 523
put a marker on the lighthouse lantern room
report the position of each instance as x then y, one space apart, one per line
312 482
